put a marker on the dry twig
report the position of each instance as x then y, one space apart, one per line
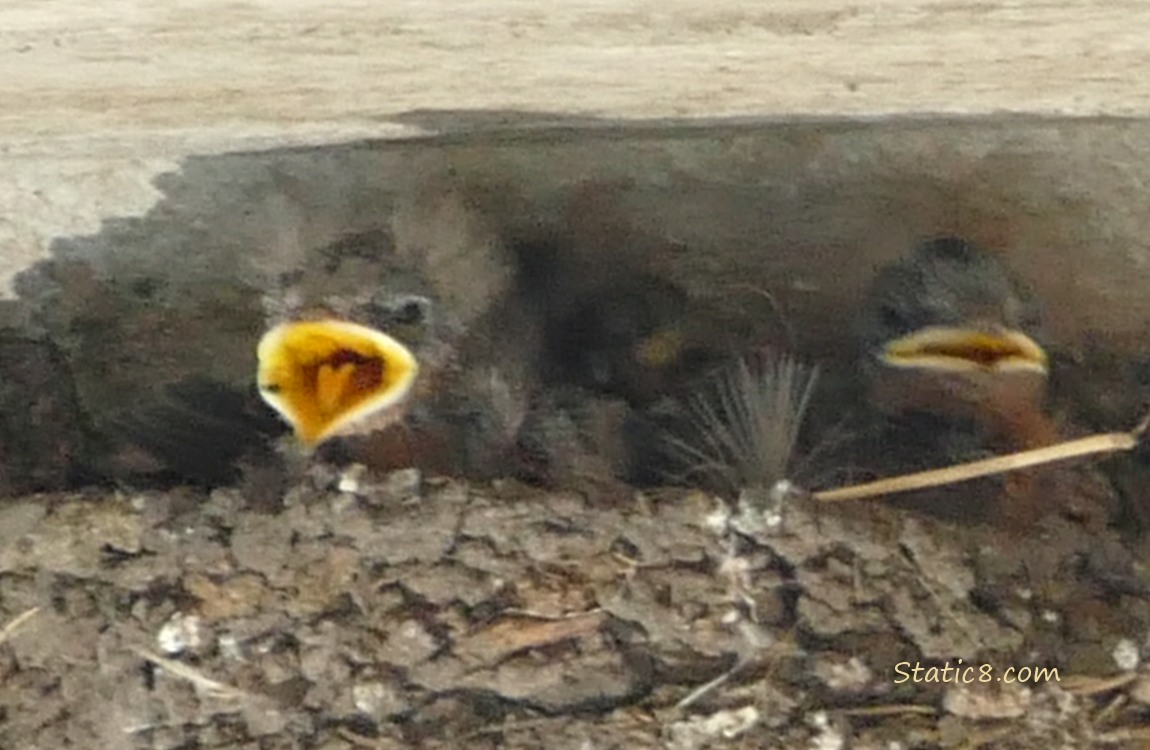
1109 442
179 669
894 709
17 622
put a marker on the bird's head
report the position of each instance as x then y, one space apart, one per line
947 330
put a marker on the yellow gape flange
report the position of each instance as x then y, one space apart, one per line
332 377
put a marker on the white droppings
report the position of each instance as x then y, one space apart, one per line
850 676
230 647
716 521
182 633
1011 702
730 617
1125 655
351 479
828 737
700 732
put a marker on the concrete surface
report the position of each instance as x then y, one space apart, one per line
96 100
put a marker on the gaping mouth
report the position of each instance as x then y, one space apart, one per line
966 349
324 376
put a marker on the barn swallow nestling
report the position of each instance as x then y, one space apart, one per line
332 377
948 332
627 339
952 360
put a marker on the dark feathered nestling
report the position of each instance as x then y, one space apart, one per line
948 331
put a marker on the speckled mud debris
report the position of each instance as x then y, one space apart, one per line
391 611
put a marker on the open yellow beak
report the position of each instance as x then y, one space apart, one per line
327 376
965 350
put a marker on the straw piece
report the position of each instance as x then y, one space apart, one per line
192 675
17 622
1106 443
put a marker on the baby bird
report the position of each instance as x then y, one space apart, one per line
951 359
948 332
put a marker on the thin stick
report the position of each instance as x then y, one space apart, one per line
1109 442
197 678
1088 686
897 709
17 622
708 687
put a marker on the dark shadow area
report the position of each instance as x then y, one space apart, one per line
722 235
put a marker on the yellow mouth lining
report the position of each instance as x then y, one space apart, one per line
661 349
324 376
966 349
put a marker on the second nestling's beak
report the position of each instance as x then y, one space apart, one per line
947 330
965 350
990 375
332 377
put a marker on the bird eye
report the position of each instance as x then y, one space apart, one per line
409 313
406 310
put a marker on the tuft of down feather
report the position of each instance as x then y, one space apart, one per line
743 425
